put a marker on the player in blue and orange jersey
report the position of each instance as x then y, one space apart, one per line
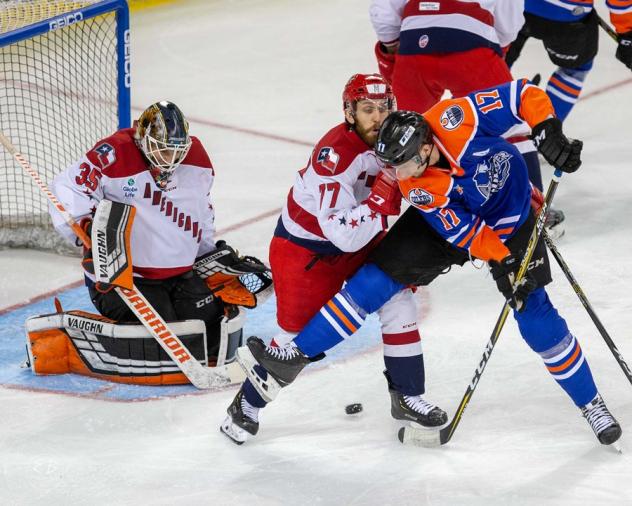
470 198
569 31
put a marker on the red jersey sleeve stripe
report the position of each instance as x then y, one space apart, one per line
302 217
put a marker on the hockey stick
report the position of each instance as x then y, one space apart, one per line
582 297
515 48
607 28
433 438
200 376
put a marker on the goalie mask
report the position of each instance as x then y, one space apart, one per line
162 133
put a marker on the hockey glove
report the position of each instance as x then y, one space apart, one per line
240 280
87 262
504 273
385 60
624 50
561 152
385 197
537 199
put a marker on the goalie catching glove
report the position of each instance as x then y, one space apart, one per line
240 280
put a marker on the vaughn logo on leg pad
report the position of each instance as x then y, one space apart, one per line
92 345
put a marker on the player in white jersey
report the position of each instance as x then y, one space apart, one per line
166 174
334 216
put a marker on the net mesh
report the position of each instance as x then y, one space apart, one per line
58 96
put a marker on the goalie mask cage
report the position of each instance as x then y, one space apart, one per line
64 84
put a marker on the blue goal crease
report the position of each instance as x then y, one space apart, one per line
260 321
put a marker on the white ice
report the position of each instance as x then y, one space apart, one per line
278 67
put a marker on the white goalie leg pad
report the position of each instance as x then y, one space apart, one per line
267 388
231 337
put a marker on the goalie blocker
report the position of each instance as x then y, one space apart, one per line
92 345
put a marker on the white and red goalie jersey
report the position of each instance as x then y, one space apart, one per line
324 211
172 226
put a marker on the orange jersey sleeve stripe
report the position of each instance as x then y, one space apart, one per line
486 245
504 231
622 22
469 235
535 105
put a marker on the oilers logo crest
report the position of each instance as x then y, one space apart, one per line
420 197
452 117
492 174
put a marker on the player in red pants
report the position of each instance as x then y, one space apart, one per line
334 215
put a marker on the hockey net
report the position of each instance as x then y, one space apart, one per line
64 84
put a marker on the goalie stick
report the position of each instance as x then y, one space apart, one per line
433 438
200 376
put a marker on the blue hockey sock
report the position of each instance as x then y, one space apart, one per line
546 333
406 374
367 291
250 392
564 87
568 366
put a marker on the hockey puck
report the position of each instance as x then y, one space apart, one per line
352 409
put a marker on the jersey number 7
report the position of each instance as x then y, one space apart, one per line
334 188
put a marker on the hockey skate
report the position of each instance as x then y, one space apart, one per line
554 223
415 408
271 368
283 363
603 424
242 420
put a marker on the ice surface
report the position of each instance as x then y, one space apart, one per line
278 67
